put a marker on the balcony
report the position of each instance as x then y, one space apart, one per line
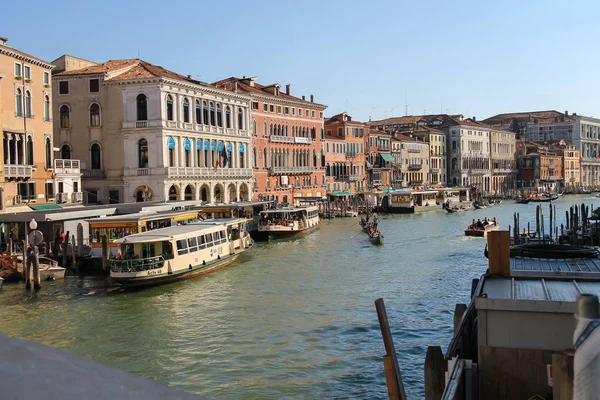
142 124
354 178
17 171
502 170
415 167
414 150
66 167
77 197
290 170
376 182
189 172
289 139
434 170
93 174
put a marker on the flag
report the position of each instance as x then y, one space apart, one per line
224 155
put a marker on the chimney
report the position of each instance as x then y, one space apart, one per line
189 77
287 89
475 119
243 76
3 40
312 99
566 113
303 97
235 86
574 114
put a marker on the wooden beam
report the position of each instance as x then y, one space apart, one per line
562 375
390 350
499 252
435 370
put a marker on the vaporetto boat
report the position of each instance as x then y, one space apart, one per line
287 221
179 252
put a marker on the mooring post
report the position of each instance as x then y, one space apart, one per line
499 252
435 379
26 271
394 376
73 247
65 250
459 311
104 252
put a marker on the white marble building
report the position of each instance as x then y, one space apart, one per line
157 135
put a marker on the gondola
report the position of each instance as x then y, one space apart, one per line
543 199
376 238
523 201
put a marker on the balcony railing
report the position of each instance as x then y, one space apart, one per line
17 171
66 166
414 150
354 178
434 170
62 198
415 167
290 170
77 197
281 139
502 170
93 174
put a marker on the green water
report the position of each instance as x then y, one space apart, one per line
290 319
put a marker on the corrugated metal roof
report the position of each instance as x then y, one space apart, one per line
545 267
552 290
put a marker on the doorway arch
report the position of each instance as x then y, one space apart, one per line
188 193
232 192
173 193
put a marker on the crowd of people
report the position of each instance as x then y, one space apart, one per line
479 224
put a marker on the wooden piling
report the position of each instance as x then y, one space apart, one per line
79 241
26 271
65 248
499 252
395 377
104 252
562 375
459 311
435 379
36 268
73 247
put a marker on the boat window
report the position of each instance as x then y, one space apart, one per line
148 250
208 238
167 249
223 237
182 246
193 244
201 242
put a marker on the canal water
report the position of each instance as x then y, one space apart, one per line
292 319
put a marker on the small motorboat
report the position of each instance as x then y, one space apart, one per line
475 231
457 209
376 237
49 269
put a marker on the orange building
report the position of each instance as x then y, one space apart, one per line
345 143
379 159
287 141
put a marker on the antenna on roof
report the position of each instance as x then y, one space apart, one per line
138 53
405 101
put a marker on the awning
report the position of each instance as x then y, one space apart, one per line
387 156
40 207
340 194
368 164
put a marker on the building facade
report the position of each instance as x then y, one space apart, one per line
26 123
539 168
502 154
571 167
437 152
411 161
336 168
287 141
468 152
352 133
379 159
143 132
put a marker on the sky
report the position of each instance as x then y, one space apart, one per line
373 59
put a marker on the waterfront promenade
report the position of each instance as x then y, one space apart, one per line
292 319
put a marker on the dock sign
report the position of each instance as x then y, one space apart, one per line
549 374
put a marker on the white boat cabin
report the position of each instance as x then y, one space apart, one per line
289 219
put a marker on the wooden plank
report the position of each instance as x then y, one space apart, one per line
435 371
388 343
390 378
508 373
562 375
499 252
459 311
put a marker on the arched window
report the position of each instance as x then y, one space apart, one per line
219 116
213 121
65 152
240 119
46 108
454 164
169 108
205 120
20 150
142 107
228 117
265 158
65 116
143 153
186 110
198 112
96 156
48 153
95 115
19 103
28 104
29 151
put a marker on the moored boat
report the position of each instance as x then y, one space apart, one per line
49 269
543 198
457 209
376 237
523 200
288 221
179 252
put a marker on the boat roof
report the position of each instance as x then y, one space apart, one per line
290 209
142 216
240 204
173 232
424 192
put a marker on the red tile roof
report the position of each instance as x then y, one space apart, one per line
244 86
413 119
546 116
131 69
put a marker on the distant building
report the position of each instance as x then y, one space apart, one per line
345 142
539 168
26 124
411 161
287 141
412 121
379 159
437 151
502 155
143 132
521 121
571 162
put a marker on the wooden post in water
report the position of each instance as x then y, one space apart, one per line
79 241
26 271
435 379
104 252
551 228
459 311
65 249
393 375
499 252
73 247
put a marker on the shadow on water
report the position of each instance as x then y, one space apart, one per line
290 319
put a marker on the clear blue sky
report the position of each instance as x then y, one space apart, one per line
478 58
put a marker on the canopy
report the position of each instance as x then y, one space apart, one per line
45 207
387 156
340 194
